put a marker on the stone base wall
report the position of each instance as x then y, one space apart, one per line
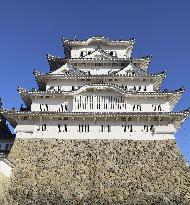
56 171
4 187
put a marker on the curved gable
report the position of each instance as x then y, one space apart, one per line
100 87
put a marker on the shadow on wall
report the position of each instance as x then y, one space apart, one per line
6 144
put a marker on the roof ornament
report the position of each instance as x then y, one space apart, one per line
21 107
63 39
18 88
1 104
165 90
187 110
182 88
34 71
75 38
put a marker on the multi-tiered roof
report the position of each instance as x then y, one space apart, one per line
104 67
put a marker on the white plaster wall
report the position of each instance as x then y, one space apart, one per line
120 52
5 169
66 85
105 69
160 132
27 128
98 70
54 104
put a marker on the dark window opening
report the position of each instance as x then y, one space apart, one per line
124 128
44 127
130 127
109 128
65 127
59 128
102 128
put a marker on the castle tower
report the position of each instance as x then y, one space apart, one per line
98 130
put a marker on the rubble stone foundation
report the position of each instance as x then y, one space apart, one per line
56 171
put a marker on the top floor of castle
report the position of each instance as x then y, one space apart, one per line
120 49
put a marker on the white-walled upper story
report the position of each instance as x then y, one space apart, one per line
134 79
94 100
139 85
76 48
112 51
98 91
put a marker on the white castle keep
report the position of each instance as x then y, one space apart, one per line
98 91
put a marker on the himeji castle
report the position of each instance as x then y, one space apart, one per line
98 91
98 130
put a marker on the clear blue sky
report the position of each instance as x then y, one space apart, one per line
31 29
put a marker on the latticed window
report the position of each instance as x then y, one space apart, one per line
124 128
84 128
130 128
59 128
44 127
105 128
148 128
65 128
109 128
62 128
157 107
102 128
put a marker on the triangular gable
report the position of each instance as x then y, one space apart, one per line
131 68
142 63
99 87
68 69
100 55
